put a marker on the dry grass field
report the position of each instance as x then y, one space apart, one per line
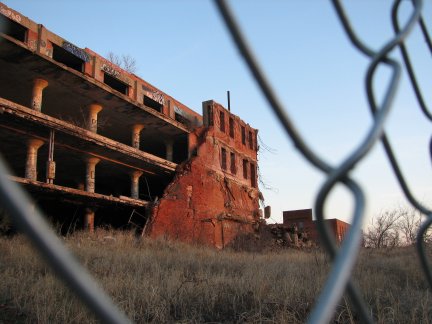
165 282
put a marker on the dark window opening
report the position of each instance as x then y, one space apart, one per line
182 119
253 175
233 163
149 102
210 115
222 121
243 135
223 159
231 127
116 84
250 141
245 169
68 59
13 29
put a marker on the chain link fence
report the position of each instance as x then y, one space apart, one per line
31 222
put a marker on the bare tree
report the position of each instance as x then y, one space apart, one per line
114 58
384 231
409 225
129 63
126 62
395 227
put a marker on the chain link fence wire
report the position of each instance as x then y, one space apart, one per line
31 222
27 217
345 257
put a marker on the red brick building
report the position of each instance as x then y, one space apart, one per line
214 195
302 219
94 144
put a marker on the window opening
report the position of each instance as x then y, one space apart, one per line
253 175
231 127
245 169
223 159
13 29
116 84
68 59
210 115
182 119
222 121
233 163
250 141
149 102
243 135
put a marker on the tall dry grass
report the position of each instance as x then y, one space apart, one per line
162 281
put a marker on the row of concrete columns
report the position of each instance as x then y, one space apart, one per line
91 124
33 146
92 118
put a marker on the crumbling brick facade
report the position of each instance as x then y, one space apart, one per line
214 196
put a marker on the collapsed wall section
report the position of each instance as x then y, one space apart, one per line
214 196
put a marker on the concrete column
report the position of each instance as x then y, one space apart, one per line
169 147
89 215
136 135
50 171
92 117
91 173
38 86
33 146
51 165
135 176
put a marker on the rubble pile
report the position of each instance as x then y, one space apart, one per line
272 237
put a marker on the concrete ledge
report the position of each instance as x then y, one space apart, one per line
75 195
9 107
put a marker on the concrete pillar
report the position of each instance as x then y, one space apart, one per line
91 173
136 135
135 176
51 165
33 146
89 215
38 86
92 117
169 147
50 171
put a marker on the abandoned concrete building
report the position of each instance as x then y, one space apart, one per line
94 144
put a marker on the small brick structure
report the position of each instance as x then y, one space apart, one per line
302 220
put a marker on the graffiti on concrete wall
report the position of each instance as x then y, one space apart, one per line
78 52
158 97
10 14
109 69
33 44
155 95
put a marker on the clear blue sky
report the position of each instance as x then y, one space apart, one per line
183 48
